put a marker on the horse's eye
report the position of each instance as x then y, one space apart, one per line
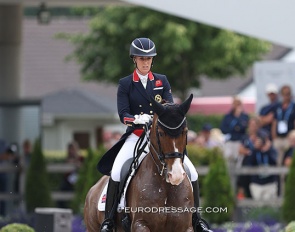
161 134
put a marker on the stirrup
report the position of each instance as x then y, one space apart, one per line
108 225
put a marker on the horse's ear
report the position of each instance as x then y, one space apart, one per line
158 107
184 107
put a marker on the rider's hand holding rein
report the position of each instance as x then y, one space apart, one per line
142 119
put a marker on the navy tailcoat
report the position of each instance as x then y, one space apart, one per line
132 99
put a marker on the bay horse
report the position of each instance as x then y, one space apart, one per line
159 197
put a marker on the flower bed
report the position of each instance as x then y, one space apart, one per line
248 227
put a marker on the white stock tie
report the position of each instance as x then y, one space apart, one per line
144 81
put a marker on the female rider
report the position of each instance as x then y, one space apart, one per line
135 107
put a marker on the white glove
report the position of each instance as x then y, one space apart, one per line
138 120
142 119
146 118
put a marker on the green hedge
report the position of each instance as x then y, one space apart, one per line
218 193
88 176
201 156
289 200
195 122
215 187
37 191
17 227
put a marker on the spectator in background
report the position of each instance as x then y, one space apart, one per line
191 137
73 154
204 138
27 152
264 186
116 135
70 178
217 136
111 138
283 122
289 153
234 126
7 182
268 111
245 150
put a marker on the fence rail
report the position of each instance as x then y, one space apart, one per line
202 170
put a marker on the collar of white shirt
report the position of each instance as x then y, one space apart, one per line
143 79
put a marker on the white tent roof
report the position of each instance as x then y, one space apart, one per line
265 19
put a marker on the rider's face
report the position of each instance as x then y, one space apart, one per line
143 64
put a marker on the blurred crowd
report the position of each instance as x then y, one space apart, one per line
265 139
20 157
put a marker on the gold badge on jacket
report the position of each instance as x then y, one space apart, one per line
158 98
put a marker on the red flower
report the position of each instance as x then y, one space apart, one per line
158 83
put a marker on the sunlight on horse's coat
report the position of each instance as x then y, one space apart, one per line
177 173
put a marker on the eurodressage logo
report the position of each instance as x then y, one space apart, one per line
172 209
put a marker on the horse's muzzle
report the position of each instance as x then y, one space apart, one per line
175 172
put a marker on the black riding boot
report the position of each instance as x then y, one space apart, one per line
109 222
199 224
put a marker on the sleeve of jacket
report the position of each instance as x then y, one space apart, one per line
123 104
243 122
167 95
224 127
272 156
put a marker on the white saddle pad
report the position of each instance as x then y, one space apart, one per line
102 198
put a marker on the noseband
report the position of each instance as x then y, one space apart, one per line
161 156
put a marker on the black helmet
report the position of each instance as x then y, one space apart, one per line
142 47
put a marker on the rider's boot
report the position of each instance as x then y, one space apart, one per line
199 224
109 223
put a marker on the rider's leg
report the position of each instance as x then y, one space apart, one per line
198 223
124 154
110 210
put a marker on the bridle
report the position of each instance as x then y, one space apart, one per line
161 156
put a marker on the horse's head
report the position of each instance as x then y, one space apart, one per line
169 136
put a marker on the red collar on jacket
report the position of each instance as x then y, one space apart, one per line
136 77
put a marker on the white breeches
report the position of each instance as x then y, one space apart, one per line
126 153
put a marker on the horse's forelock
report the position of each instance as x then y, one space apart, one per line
172 117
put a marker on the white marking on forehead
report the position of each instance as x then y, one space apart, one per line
175 148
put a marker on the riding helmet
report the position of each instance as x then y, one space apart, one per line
142 47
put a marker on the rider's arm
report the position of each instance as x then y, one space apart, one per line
123 104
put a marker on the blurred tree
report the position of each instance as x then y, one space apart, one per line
88 176
217 191
37 191
289 200
186 50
